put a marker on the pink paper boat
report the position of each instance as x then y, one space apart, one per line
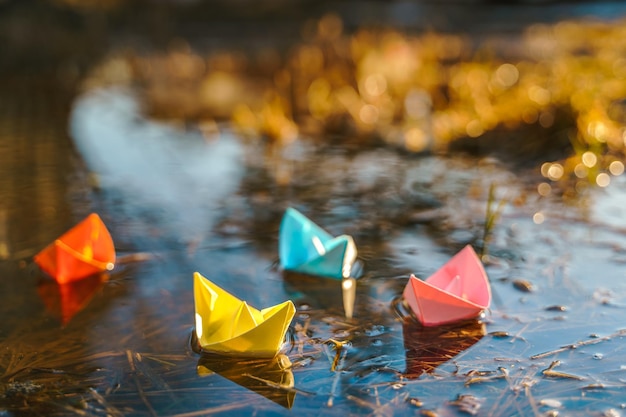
459 290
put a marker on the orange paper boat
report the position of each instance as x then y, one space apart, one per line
84 250
459 290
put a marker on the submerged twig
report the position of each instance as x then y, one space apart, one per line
518 334
531 400
29 369
142 395
110 411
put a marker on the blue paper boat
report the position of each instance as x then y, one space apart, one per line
305 247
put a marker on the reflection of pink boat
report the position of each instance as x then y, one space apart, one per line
427 348
459 290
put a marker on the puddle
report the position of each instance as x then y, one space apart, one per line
220 216
179 197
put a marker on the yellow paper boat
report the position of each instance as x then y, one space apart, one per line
228 325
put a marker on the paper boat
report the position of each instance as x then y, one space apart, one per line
459 290
84 250
65 300
227 325
305 247
271 378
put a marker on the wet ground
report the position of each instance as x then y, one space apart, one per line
177 200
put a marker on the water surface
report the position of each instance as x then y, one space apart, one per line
179 200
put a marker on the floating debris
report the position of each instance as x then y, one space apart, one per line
16 389
487 376
557 308
551 403
416 402
523 285
550 372
594 386
467 403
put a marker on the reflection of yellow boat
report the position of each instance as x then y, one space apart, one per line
272 378
65 300
228 325
428 347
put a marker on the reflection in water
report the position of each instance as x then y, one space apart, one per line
4 235
428 347
323 293
65 300
181 174
272 378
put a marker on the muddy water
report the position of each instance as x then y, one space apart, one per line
178 202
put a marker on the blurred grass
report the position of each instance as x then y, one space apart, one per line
555 94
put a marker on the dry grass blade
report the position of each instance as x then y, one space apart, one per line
337 370
550 372
576 345
480 379
491 217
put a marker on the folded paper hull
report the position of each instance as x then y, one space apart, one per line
307 248
84 250
227 325
459 290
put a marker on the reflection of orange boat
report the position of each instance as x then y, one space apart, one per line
65 300
428 347
84 250
459 290
272 378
